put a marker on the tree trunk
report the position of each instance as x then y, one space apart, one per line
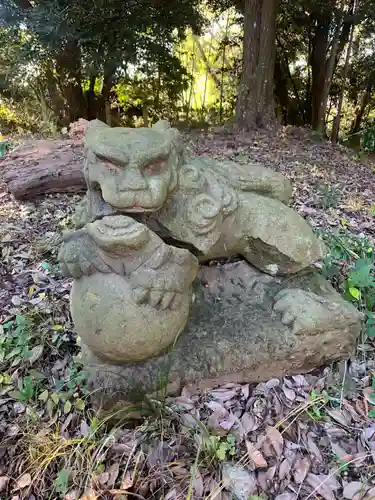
360 111
108 81
68 71
42 167
337 119
323 68
329 70
284 68
281 91
92 108
255 100
145 113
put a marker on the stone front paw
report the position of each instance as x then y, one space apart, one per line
305 311
164 279
78 256
161 299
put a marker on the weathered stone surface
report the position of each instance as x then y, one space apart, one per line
220 208
238 480
244 326
132 292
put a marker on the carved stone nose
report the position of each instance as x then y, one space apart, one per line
134 180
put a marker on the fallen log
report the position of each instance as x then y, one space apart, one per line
42 167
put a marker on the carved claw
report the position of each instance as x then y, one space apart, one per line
304 311
160 257
165 278
167 299
140 294
157 298
177 300
78 256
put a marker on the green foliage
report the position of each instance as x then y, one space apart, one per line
368 139
17 341
4 148
350 266
61 482
217 448
21 346
319 399
328 196
79 55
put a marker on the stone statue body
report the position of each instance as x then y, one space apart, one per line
132 291
221 209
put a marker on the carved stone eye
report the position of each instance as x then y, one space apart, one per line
155 168
112 167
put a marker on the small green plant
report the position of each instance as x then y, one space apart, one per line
4 147
217 448
371 398
61 483
17 342
368 139
350 267
318 401
328 196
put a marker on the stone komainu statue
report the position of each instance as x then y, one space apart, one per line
151 215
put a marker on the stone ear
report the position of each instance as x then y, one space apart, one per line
162 125
97 124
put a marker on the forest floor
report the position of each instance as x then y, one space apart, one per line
309 436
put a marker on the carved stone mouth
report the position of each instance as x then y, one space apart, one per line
119 231
138 210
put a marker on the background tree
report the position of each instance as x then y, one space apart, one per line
255 104
97 43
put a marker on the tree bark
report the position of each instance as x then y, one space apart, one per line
337 119
43 167
323 68
360 111
255 100
108 81
283 69
92 108
68 71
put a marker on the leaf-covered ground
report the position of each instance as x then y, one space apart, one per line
304 437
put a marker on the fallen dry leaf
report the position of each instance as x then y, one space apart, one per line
284 469
300 469
338 416
23 482
289 393
257 459
198 484
102 479
276 440
314 450
352 489
249 422
4 480
113 472
370 495
89 494
286 496
127 481
320 487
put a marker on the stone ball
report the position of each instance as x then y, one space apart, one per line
115 327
